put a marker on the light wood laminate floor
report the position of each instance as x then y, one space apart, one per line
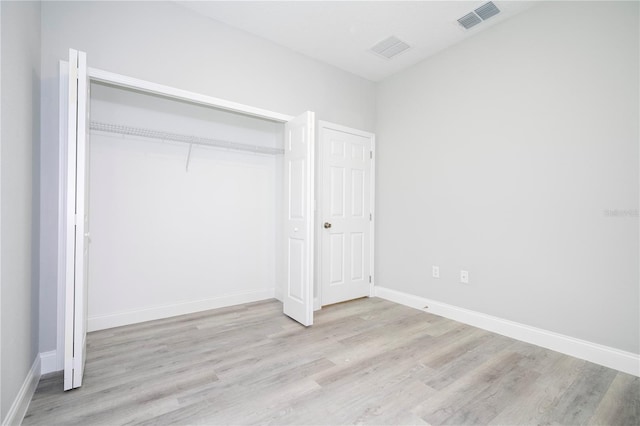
368 361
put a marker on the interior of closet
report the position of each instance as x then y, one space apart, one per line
185 207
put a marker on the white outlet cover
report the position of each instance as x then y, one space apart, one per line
464 277
435 271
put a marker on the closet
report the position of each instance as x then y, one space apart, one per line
175 202
185 207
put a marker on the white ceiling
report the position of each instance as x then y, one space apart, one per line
341 33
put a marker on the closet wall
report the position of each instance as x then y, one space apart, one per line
169 44
173 232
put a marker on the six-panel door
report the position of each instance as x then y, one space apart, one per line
346 208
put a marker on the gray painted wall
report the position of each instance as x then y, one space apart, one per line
20 124
166 43
514 155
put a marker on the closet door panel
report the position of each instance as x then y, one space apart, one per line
299 186
77 221
296 290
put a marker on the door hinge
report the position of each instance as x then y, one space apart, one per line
369 279
371 155
370 216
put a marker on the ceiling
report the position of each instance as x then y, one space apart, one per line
341 33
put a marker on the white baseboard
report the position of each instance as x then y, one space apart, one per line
20 404
158 312
278 294
599 354
49 362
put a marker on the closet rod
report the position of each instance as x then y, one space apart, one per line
155 134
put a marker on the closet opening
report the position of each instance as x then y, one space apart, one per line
185 207
190 202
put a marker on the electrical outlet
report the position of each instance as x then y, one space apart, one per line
435 271
464 277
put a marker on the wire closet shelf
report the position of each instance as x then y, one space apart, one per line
176 137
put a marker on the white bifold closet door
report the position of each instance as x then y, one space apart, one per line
77 222
298 200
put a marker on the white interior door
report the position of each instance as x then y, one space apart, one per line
346 213
77 222
299 204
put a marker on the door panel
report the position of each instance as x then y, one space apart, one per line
296 189
299 198
346 206
337 193
357 256
357 193
358 152
77 221
336 267
296 270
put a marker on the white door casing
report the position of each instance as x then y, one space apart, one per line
77 222
299 218
346 217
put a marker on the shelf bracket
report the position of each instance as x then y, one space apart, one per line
188 157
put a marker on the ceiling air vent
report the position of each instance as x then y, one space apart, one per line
480 14
469 20
487 10
390 47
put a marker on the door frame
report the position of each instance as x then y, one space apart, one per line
319 203
99 75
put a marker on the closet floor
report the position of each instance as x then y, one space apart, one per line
368 361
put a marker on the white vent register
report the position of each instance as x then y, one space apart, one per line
479 15
390 47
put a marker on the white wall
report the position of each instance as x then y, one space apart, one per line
166 240
514 155
20 81
166 43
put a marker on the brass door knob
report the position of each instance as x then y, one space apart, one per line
327 225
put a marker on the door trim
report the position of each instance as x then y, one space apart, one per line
319 201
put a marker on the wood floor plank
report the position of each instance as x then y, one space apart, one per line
455 397
368 361
470 357
621 403
579 402
502 392
532 406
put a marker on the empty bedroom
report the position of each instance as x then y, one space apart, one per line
320 212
